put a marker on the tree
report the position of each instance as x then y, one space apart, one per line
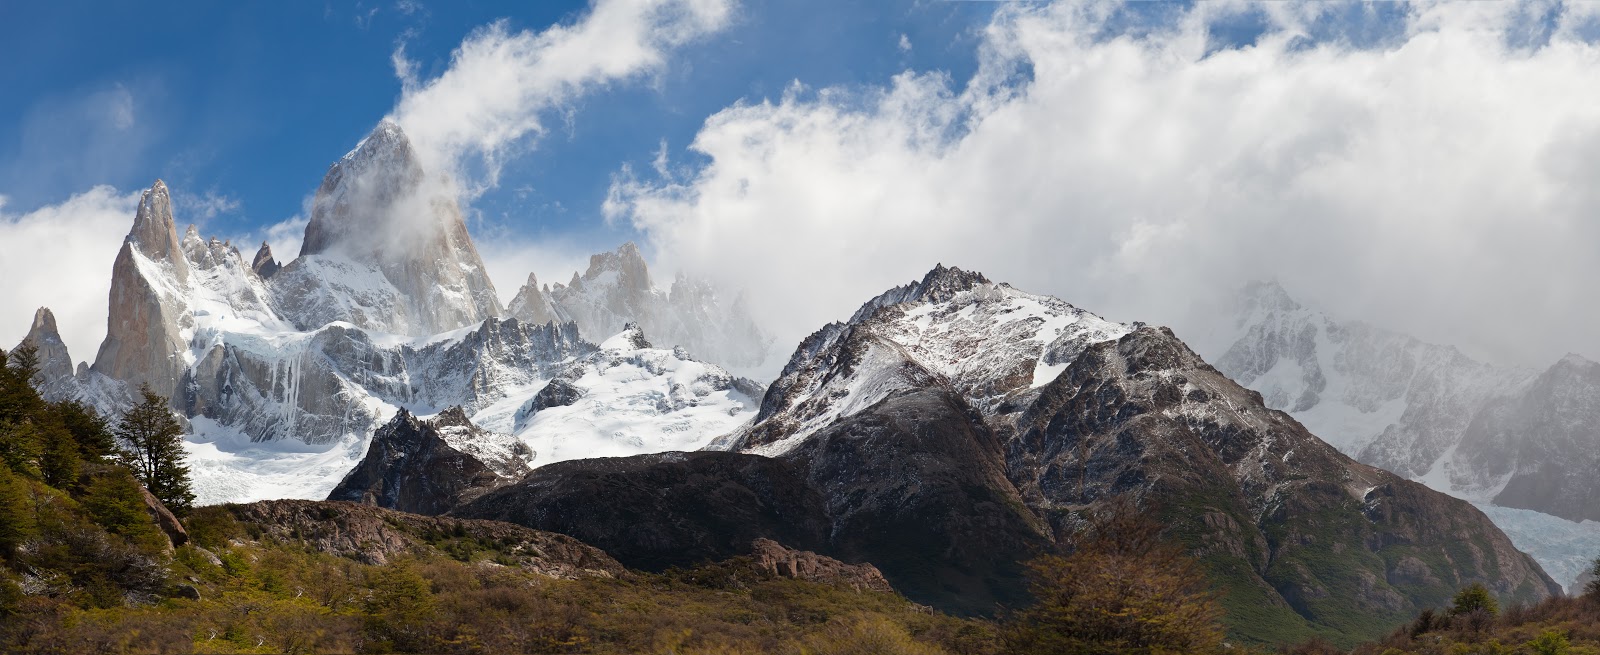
1592 589
16 514
88 429
1473 598
1122 591
152 444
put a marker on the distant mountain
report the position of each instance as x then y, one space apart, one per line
1490 434
285 371
617 290
953 427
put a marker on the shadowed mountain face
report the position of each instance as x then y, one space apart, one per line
914 485
889 447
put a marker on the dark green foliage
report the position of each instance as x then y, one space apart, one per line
1474 598
1592 589
114 502
1550 642
153 447
16 517
212 527
59 457
88 429
19 446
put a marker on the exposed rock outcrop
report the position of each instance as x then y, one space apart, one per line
1543 442
263 264
169 523
54 379
375 536
149 309
533 305
775 559
428 466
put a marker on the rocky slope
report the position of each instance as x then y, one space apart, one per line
954 427
1489 434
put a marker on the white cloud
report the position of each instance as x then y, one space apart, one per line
1440 182
198 209
60 257
501 83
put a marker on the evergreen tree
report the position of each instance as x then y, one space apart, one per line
88 429
153 448
115 503
16 516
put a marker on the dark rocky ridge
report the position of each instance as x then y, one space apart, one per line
1298 526
410 467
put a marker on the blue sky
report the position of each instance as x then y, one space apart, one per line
1425 166
245 105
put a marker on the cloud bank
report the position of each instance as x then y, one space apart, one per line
1433 177
501 85
60 257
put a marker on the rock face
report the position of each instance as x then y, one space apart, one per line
427 466
147 331
169 524
1386 398
775 559
1306 531
55 364
533 305
263 264
386 248
1543 441
617 290
373 536
955 427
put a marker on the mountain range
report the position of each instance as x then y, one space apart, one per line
947 432
1523 444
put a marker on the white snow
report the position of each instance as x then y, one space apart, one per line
226 467
635 400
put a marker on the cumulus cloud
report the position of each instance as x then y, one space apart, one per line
501 84
63 253
1434 178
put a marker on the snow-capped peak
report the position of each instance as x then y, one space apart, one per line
985 340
